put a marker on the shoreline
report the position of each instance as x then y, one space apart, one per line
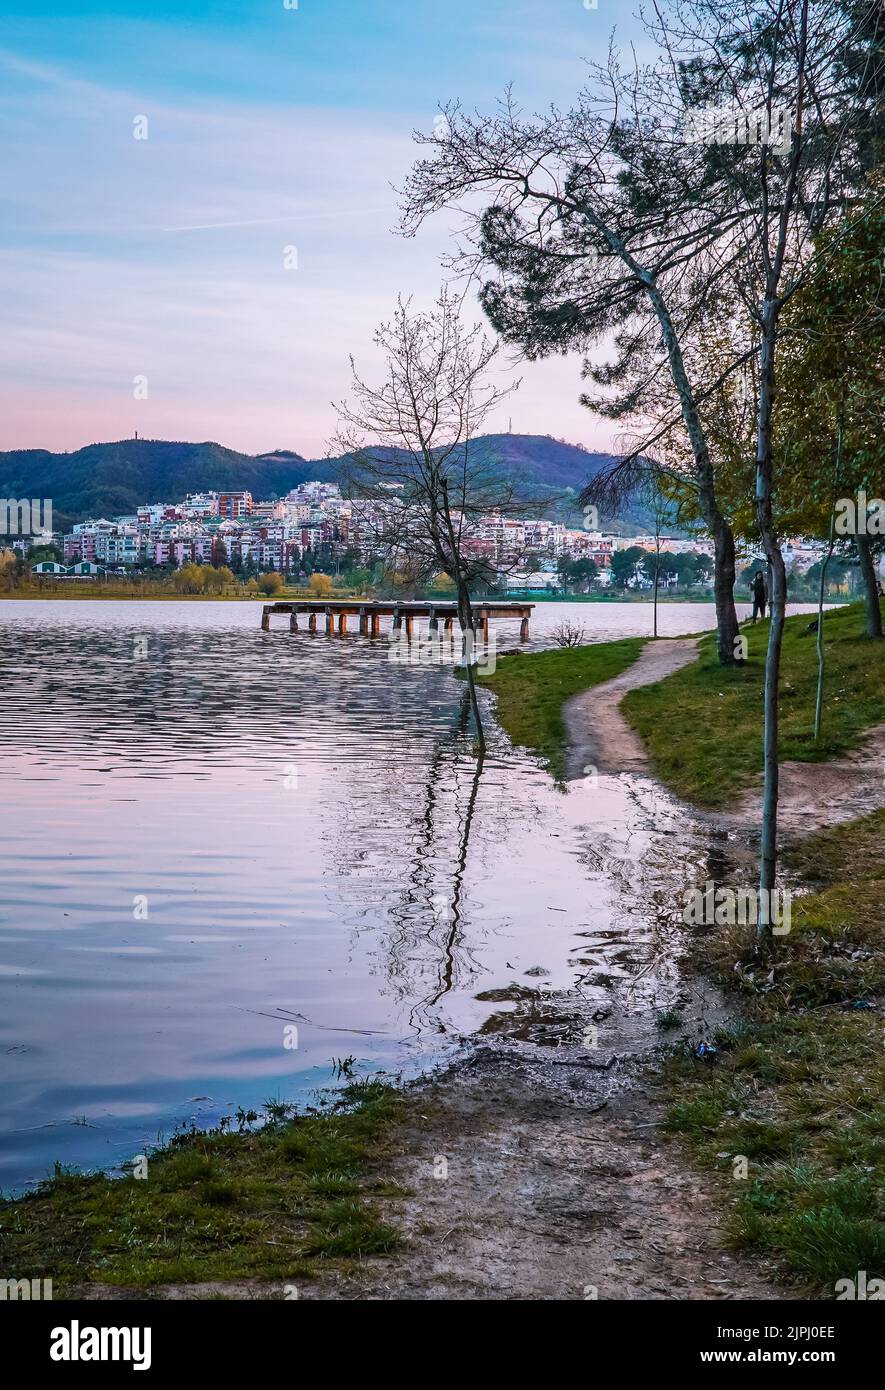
594 1108
553 1154
290 595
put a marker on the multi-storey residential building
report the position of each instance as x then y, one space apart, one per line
234 504
200 504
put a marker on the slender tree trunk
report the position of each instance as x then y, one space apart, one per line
465 612
768 865
819 698
870 582
777 607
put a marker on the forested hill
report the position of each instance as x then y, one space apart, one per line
112 479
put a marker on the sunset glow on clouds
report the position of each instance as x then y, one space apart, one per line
267 128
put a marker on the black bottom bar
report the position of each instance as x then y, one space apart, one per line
660 1338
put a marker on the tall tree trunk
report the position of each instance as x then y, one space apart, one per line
768 864
870 582
728 633
819 697
723 537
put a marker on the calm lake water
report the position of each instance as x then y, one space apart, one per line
212 834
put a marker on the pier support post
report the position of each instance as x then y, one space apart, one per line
433 625
449 624
312 622
342 623
330 622
397 620
376 624
485 626
524 627
410 623
364 622
293 621
265 620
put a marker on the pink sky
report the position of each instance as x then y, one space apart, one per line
164 258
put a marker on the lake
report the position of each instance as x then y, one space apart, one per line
234 859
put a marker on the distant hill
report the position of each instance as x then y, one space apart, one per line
540 459
113 479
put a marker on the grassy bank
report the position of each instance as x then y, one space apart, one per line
283 1202
796 1087
703 725
531 690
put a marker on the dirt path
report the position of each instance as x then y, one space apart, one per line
812 795
546 1196
815 795
598 734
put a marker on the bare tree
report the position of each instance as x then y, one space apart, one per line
568 634
411 449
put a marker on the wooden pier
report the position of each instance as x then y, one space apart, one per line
370 612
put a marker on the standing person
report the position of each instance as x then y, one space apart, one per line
760 596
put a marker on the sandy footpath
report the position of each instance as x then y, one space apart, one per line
598 734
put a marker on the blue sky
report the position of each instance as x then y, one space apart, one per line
268 128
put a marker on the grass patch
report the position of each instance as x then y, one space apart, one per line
531 690
702 725
796 1087
272 1203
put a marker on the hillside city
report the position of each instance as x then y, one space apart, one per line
313 527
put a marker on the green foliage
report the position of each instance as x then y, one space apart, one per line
572 573
625 564
832 376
